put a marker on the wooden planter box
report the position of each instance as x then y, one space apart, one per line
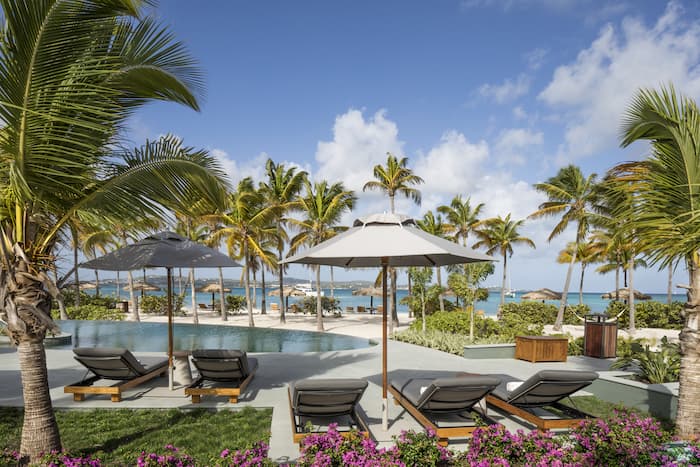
541 348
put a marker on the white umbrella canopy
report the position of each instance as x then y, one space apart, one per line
165 250
386 240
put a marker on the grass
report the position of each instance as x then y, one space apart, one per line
604 409
118 436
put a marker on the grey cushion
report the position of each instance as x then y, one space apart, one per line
326 397
116 363
547 387
445 394
222 364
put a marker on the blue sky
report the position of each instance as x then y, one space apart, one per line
485 97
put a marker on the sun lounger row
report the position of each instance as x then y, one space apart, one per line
452 407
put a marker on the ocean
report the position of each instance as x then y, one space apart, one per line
490 306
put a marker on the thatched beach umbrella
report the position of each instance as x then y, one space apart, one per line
541 294
625 295
213 289
163 250
386 240
370 292
289 291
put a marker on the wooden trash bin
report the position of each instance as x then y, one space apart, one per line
541 348
599 337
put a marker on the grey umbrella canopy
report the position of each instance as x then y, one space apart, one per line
384 240
162 250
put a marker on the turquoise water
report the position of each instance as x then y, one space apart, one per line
490 306
153 337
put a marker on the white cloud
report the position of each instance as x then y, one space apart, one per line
357 146
597 87
508 90
519 113
515 144
535 58
253 167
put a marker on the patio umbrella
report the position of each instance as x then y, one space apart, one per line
369 291
541 294
386 240
212 288
162 250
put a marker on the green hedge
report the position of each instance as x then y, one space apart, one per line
457 322
91 312
648 314
545 313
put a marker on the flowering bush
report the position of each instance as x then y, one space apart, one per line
413 448
9 457
172 457
678 454
253 457
63 459
331 449
623 439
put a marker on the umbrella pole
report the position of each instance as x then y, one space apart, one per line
385 405
170 331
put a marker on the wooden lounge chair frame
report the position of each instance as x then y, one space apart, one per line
298 433
526 412
445 433
196 391
85 386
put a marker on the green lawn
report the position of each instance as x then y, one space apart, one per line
119 435
603 409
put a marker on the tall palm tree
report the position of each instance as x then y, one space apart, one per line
434 225
572 196
246 217
587 253
461 218
322 207
391 179
71 72
666 214
500 235
281 192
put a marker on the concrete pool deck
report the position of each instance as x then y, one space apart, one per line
276 370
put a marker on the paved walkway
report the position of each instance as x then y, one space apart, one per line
276 370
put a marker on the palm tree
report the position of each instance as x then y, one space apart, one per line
436 227
572 196
281 193
499 234
72 72
323 206
391 179
587 253
666 216
461 218
246 217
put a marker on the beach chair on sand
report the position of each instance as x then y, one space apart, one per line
114 364
324 401
221 373
274 307
444 405
537 399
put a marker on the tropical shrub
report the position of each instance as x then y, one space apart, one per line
235 303
331 449
106 301
328 304
64 459
420 448
543 313
158 304
432 302
653 367
648 314
457 322
91 312
170 457
256 456
433 339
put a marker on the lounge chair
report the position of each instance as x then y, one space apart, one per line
444 405
274 307
361 309
538 397
232 367
113 364
326 400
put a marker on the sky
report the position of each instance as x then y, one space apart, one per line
484 98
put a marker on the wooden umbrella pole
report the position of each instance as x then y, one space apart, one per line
170 330
385 408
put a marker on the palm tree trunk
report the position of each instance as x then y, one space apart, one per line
263 302
39 430
632 329
119 293
255 290
471 321
617 280
283 309
422 303
332 294
688 417
133 297
76 278
248 301
440 297
97 283
669 291
179 281
222 296
319 305
503 285
410 311
195 312
562 306
580 284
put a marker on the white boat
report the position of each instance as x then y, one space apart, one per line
307 289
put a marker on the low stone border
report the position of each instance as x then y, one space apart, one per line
481 351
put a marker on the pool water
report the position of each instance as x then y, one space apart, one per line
153 337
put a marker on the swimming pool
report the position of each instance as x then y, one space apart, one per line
153 337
